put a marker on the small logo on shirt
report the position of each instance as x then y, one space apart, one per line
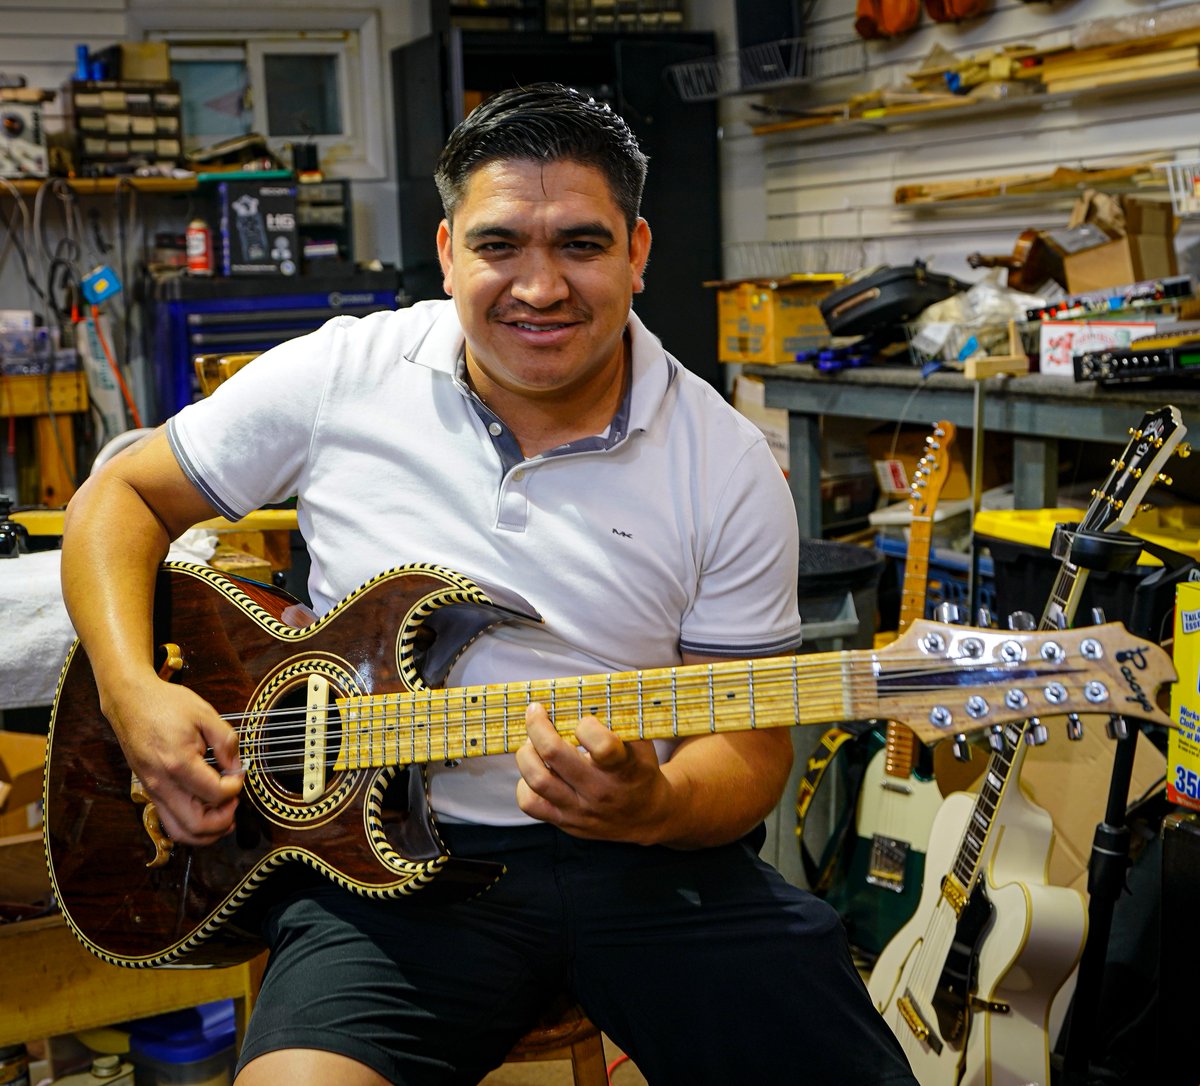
623 535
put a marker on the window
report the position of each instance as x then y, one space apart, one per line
307 85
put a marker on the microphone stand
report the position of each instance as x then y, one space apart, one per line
1109 858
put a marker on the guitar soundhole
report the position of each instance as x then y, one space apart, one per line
285 750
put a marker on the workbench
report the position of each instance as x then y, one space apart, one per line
1038 411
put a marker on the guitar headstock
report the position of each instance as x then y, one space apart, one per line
932 471
944 681
1152 443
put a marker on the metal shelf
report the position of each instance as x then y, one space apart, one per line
769 66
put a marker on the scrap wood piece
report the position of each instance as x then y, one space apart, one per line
1060 179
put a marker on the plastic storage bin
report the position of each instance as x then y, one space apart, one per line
194 1047
838 585
1019 543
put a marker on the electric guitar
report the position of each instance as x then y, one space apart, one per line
968 985
335 716
896 804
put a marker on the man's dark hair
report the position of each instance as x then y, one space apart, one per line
544 122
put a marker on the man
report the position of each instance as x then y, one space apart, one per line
529 432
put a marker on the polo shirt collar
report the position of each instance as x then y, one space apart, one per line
654 371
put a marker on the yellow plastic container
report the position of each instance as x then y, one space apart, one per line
1174 527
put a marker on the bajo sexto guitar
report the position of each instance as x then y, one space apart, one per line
896 802
336 716
968 985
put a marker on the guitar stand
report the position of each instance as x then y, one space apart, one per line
1109 860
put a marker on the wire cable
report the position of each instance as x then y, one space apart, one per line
112 365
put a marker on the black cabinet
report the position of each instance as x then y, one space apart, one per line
435 81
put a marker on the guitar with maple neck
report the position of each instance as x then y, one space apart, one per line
897 799
336 718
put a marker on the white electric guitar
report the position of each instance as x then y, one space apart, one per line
968 985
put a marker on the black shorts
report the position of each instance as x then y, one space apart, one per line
705 966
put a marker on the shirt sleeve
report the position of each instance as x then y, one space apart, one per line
746 604
247 445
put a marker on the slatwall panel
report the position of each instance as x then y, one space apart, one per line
835 195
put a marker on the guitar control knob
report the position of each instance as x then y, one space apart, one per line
1116 727
1074 727
1036 734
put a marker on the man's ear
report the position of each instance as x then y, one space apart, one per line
639 254
444 255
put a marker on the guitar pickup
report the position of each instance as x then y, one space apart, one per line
886 866
317 708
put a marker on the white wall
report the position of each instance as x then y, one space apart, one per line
835 195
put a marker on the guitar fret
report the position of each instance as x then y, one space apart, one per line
674 705
750 688
712 702
641 723
504 709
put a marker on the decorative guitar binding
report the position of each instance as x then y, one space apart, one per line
330 713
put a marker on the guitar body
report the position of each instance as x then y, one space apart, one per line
887 860
369 829
1023 956
1028 957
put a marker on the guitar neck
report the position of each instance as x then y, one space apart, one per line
1004 765
433 725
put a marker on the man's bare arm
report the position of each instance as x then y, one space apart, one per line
118 529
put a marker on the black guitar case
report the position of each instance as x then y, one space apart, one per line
885 297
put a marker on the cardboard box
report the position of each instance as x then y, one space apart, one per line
1142 247
1183 743
258 228
768 321
22 762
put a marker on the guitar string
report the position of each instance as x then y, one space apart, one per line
432 734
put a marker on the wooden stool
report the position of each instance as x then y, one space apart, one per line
565 1032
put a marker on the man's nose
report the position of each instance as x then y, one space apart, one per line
539 281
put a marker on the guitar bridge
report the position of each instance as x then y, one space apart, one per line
886 866
915 1020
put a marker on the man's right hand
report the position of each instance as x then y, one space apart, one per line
185 756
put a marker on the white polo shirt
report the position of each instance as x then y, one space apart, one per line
674 531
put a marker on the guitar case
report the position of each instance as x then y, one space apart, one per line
884 297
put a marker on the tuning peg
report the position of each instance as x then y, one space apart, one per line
1058 618
1098 618
1183 450
1165 479
1036 734
1116 727
995 738
984 618
1022 620
962 751
1074 727
948 612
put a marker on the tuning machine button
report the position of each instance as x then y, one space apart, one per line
1036 734
1074 727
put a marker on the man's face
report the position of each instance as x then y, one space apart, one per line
542 269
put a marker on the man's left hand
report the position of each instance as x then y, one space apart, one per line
604 788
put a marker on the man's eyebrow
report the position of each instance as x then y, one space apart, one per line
507 233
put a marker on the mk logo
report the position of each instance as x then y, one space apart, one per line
623 535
